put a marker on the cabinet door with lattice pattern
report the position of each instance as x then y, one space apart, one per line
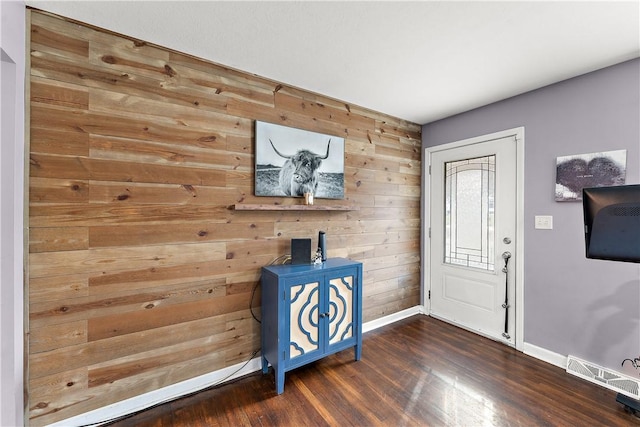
304 320
340 309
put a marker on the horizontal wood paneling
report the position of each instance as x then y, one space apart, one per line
141 273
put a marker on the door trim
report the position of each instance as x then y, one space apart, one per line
518 134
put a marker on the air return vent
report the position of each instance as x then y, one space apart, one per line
604 377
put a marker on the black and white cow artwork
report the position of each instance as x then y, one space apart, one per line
299 174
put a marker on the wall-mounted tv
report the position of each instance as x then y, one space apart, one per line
612 222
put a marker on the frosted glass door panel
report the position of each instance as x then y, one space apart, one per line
469 212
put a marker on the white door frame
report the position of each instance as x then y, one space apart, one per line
518 134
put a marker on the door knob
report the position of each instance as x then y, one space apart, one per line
506 255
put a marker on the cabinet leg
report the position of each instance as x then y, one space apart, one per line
279 373
265 365
358 351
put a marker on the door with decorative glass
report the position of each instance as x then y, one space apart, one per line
473 229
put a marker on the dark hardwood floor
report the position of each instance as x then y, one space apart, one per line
416 372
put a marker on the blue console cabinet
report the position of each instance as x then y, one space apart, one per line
309 312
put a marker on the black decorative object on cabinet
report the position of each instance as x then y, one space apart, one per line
309 312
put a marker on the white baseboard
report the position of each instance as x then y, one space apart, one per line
387 320
545 355
103 415
129 406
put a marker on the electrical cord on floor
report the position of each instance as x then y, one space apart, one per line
193 393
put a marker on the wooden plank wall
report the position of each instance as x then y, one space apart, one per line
140 274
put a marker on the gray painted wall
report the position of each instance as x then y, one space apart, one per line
573 306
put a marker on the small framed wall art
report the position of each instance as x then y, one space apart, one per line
573 173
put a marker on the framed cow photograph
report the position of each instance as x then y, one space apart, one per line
291 162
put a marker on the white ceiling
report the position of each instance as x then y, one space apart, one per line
420 61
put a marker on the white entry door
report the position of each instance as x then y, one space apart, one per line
472 248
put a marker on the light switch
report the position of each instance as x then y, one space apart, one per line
544 222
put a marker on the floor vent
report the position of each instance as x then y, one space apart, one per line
604 377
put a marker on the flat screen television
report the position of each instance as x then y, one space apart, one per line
612 222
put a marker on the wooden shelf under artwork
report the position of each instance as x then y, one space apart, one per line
267 207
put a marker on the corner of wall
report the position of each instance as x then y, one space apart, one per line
12 147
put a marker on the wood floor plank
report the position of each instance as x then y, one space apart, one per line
416 372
